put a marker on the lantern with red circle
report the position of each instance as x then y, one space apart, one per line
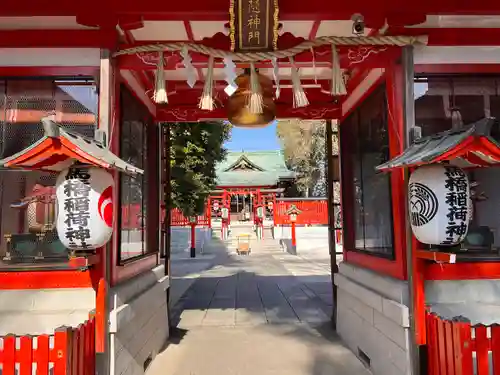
85 207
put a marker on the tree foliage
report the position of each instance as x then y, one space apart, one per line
303 143
195 150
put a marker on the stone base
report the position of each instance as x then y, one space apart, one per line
373 318
139 324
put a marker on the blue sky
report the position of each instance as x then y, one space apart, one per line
254 139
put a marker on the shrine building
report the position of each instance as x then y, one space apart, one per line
246 179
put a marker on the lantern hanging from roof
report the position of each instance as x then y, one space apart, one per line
439 204
252 87
85 207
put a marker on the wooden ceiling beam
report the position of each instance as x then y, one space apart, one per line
190 35
189 98
218 9
376 57
314 29
323 84
58 38
142 74
452 36
322 111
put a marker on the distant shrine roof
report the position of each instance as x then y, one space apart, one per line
253 168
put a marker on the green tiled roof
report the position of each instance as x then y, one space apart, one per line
270 165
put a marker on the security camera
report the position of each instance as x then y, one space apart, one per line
358 24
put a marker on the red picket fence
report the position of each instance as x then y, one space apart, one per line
458 348
177 219
313 212
70 351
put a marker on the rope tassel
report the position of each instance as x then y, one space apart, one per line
256 102
299 96
160 95
338 84
207 100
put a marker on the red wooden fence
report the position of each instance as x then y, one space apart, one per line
131 218
458 348
177 219
70 351
313 212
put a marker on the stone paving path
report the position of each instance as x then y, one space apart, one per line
254 290
266 313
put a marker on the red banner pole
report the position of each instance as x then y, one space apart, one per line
208 212
294 239
193 240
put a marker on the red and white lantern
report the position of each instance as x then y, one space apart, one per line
439 202
85 207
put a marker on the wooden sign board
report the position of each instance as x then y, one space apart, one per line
254 25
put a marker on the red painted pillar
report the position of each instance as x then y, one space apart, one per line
193 240
294 240
275 209
224 198
209 212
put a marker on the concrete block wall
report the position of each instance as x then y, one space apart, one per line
181 239
41 311
138 322
373 318
311 241
477 300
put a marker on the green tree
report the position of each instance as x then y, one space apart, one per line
303 143
196 148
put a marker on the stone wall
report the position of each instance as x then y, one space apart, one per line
181 239
477 300
373 318
138 322
311 241
41 311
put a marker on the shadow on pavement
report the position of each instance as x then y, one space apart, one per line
253 314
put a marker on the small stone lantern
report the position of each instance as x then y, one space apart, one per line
293 212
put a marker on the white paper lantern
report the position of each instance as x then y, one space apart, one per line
439 198
85 207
